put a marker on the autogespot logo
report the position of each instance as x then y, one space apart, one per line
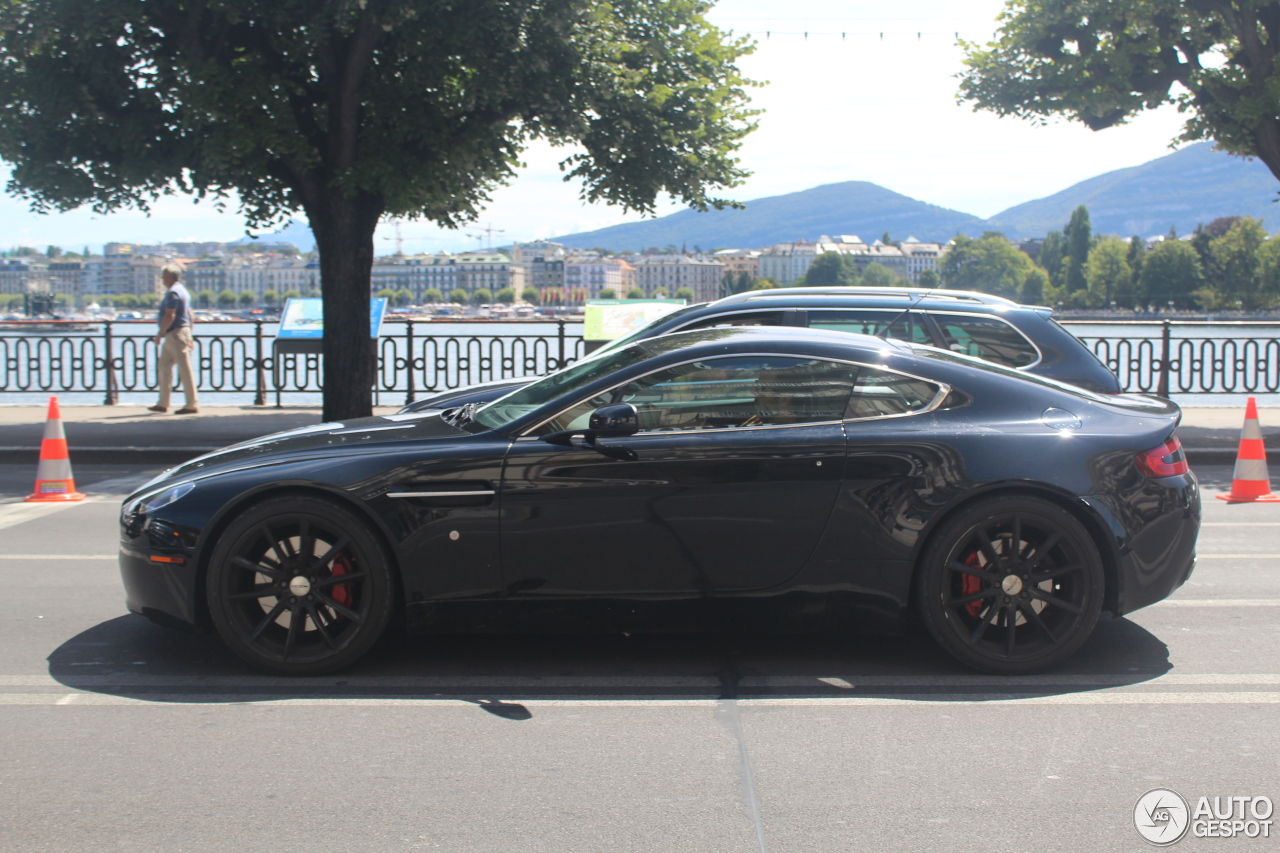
1161 816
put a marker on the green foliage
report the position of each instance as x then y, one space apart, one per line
432 295
53 252
1037 289
387 294
226 298
482 295
294 294
685 293
831 269
1102 62
764 284
148 300
1137 250
205 298
660 293
530 295
929 279
458 295
506 295
1052 254
1170 274
608 293
247 298
1236 255
635 293
1079 237
270 297
1269 271
1108 273
990 264
878 275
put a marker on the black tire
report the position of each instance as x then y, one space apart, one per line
275 590
1011 585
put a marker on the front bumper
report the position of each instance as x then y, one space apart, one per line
160 576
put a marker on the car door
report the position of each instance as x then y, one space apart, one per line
727 487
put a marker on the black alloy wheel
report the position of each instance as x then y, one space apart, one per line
299 586
1011 585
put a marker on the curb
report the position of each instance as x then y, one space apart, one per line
178 455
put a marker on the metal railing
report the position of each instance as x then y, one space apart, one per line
419 357
114 357
1167 357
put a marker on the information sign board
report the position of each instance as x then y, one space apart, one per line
303 319
610 319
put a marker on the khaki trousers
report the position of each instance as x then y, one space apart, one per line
176 349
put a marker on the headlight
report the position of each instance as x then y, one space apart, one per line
151 503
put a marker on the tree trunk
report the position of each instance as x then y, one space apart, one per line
343 226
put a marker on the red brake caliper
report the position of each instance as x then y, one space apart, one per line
342 592
969 584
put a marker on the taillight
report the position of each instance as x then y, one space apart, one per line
1167 460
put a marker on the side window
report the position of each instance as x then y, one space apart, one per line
746 318
905 327
879 393
720 393
986 338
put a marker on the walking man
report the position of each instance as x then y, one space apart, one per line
175 342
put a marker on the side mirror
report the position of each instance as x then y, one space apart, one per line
606 422
618 420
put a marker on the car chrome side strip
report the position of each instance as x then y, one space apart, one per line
475 493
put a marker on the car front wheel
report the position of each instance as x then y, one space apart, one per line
299 586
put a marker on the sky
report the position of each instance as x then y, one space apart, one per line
878 104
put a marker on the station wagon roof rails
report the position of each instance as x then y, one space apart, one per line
908 293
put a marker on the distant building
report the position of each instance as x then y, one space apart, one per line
490 271
668 273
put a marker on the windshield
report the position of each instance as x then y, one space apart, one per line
506 409
646 330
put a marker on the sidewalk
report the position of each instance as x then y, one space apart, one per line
123 434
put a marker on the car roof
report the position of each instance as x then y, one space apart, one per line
780 339
887 297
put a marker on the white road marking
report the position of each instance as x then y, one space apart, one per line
58 556
947 700
1218 602
13 514
1238 556
1240 524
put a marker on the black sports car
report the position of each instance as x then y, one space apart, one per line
1024 337
764 478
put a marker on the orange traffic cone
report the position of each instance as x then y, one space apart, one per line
53 475
1250 483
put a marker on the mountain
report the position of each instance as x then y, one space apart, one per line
1193 185
1196 184
852 207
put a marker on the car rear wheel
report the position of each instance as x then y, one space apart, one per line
299 586
1011 585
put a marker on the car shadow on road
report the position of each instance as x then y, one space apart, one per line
131 658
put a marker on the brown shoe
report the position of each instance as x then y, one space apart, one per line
187 410
156 409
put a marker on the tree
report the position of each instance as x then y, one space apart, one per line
1101 63
608 293
1079 237
686 293
482 295
292 294
403 297
831 269
1052 253
878 275
458 295
764 284
1137 249
247 298
387 294
990 264
1269 272
53 252
205 298
1236 254
929 279
1170 274
506 295
660 293
270 297
1108 273
1037 289
635 293
227 298
530 295
432 296
350 112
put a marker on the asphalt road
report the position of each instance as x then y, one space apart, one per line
118 735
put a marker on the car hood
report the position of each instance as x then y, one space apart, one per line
345 437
